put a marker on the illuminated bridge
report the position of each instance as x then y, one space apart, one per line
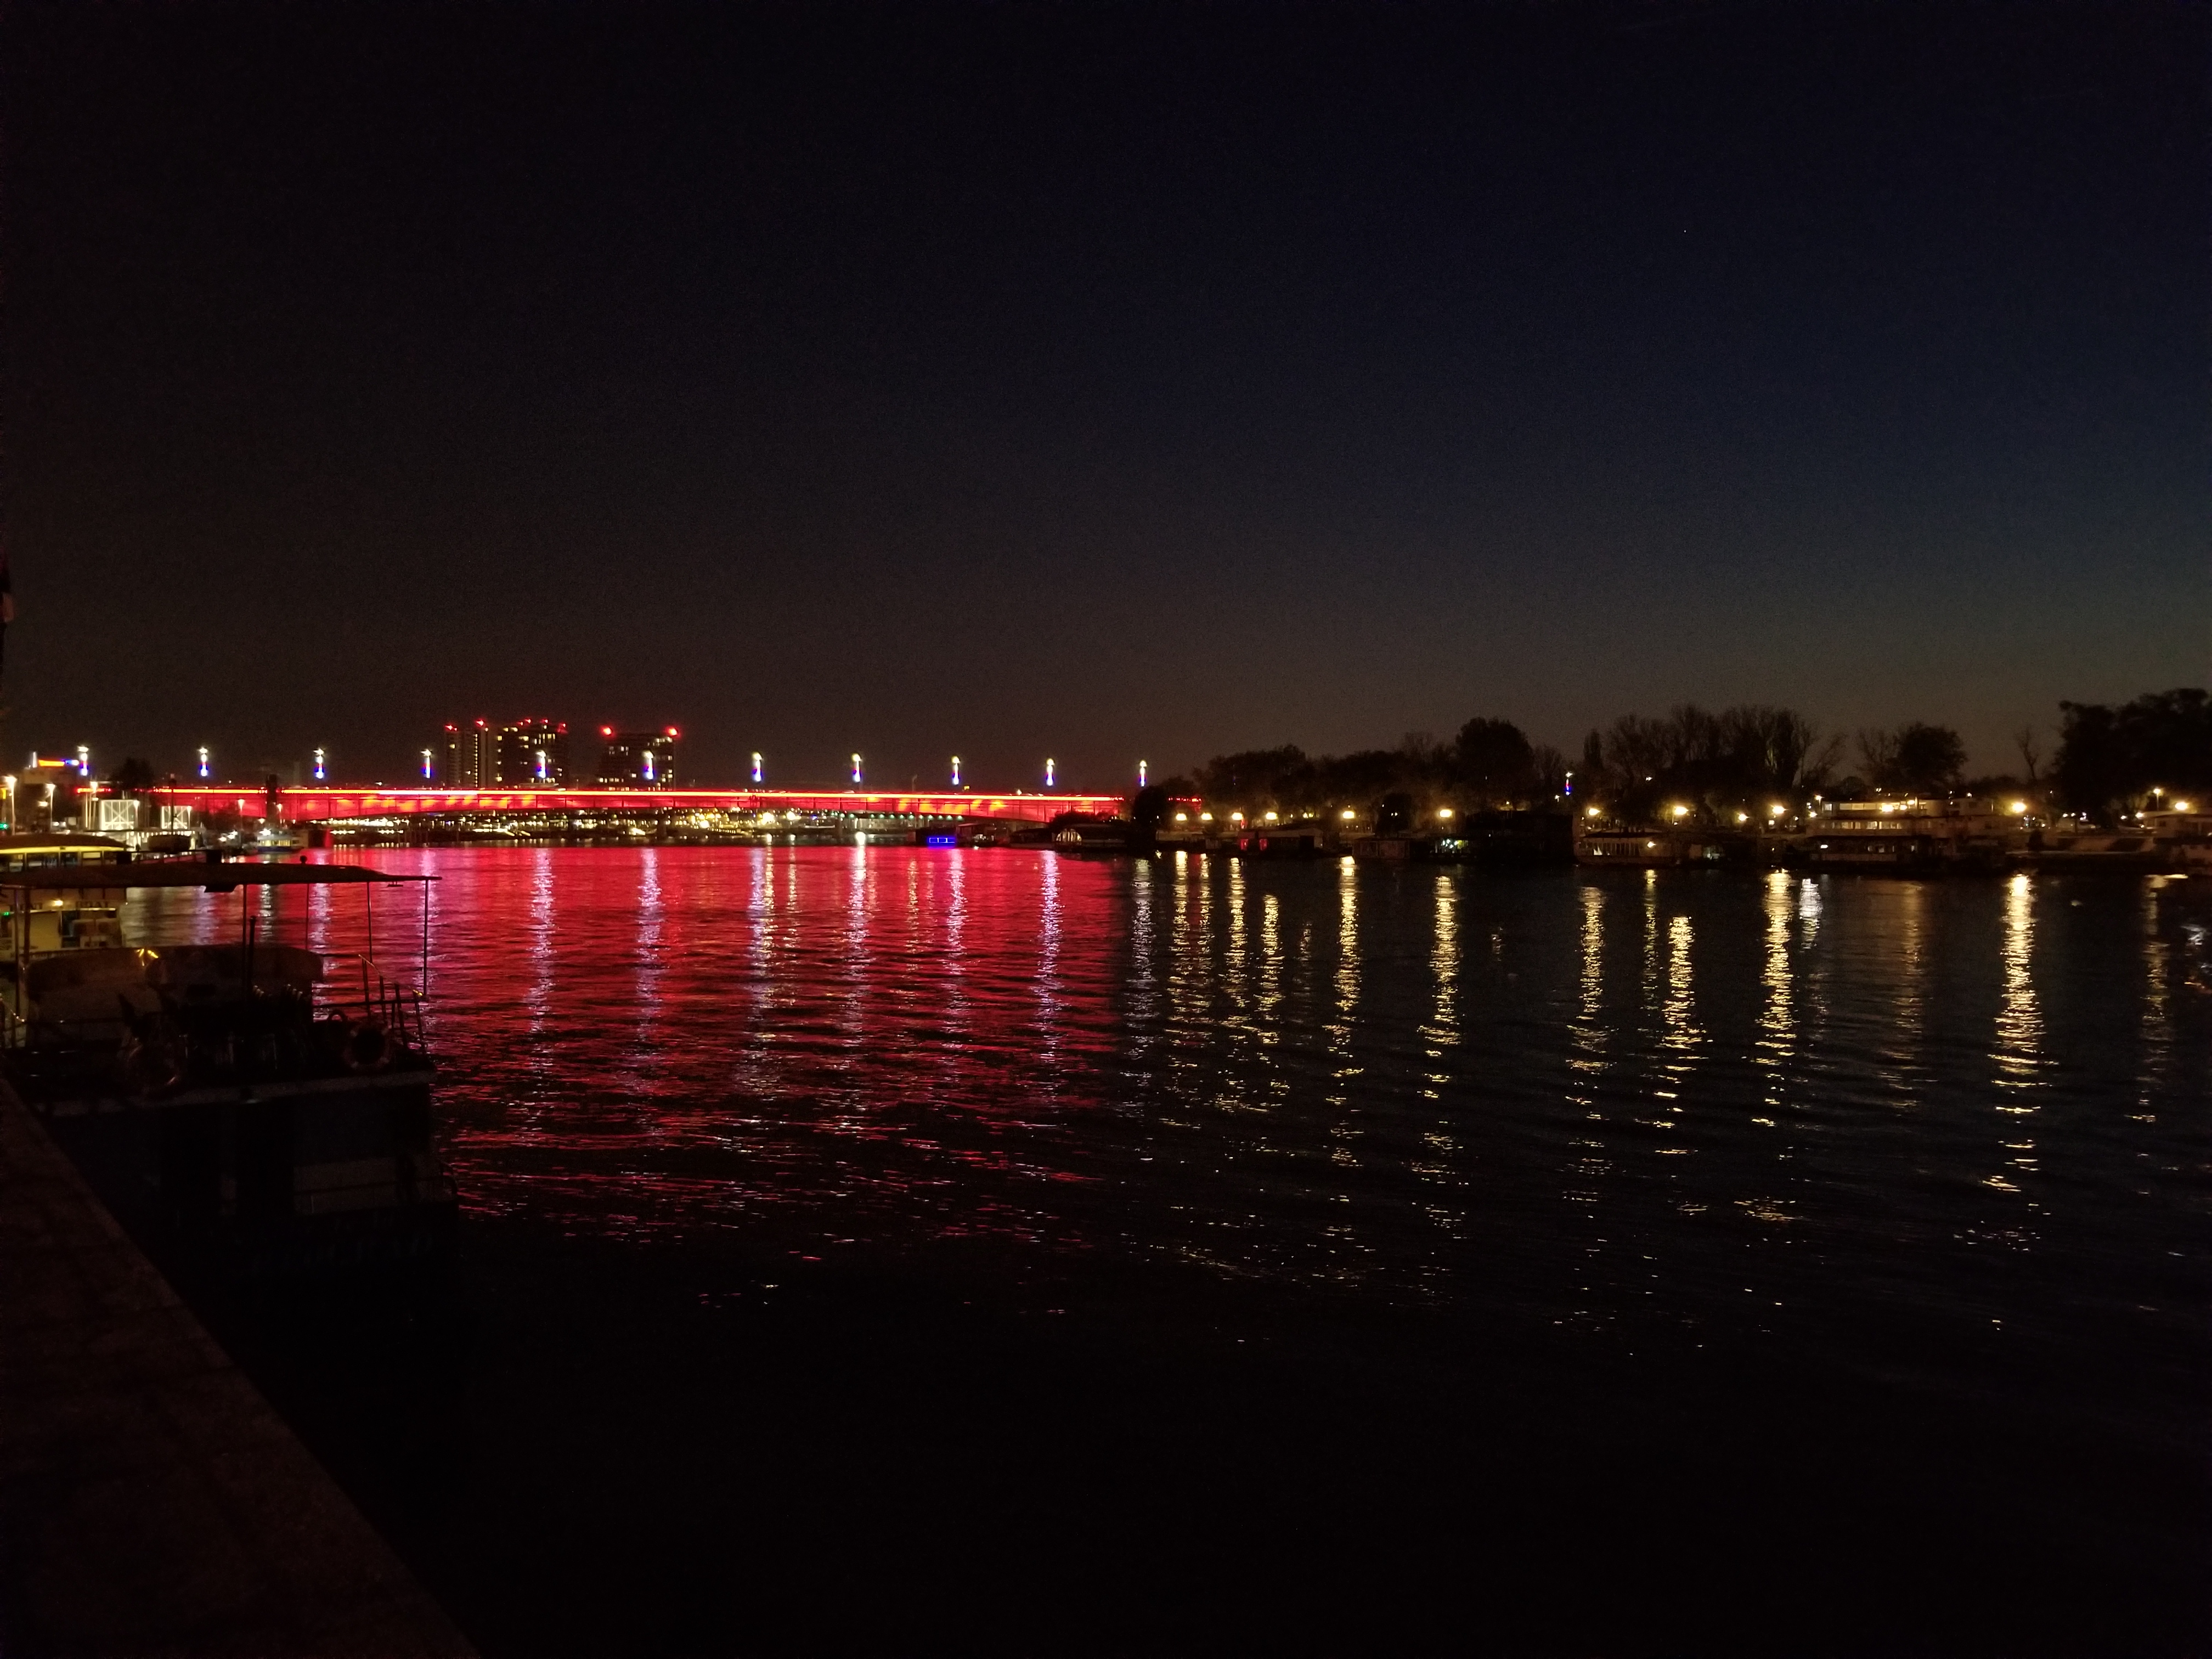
326 804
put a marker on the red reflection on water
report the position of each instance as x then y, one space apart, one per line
655 1037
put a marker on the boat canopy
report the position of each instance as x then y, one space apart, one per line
225 877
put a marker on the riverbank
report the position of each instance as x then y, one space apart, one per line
151 1502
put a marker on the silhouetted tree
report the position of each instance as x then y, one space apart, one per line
1915 758
1255 777
1492 762
1735 760
2110 759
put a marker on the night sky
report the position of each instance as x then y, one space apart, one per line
1093 380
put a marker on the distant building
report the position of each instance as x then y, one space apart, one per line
635 759
524 755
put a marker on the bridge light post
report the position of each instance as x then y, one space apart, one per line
84 761
204 764
955 771
1048 775
758 774
1141 769
322 771
856 770
428 765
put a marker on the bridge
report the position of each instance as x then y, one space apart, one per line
331 804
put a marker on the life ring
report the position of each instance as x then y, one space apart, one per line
367 1047
153 1064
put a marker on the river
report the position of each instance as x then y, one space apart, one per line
1868 1207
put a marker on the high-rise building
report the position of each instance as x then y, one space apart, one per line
461 754
635 759
523 754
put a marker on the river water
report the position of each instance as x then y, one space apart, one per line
1940 1147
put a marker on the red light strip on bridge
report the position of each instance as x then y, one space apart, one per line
323 805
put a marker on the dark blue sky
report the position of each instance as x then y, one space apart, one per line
1096 380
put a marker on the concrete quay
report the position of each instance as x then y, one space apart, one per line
151 1502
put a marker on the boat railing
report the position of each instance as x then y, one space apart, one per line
354 987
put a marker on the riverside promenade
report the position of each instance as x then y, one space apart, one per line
151 1502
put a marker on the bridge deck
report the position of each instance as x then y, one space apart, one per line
323 803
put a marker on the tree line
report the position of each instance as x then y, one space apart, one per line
1745 758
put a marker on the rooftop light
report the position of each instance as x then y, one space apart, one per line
1182 817
1682 812
1590 811
1443 811
2178 806
2020 807
1774 811
1346 814
1271 817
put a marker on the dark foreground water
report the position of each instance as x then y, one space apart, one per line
906 1250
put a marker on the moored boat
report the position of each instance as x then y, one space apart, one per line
250 1110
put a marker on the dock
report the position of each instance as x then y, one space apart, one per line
151 1501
